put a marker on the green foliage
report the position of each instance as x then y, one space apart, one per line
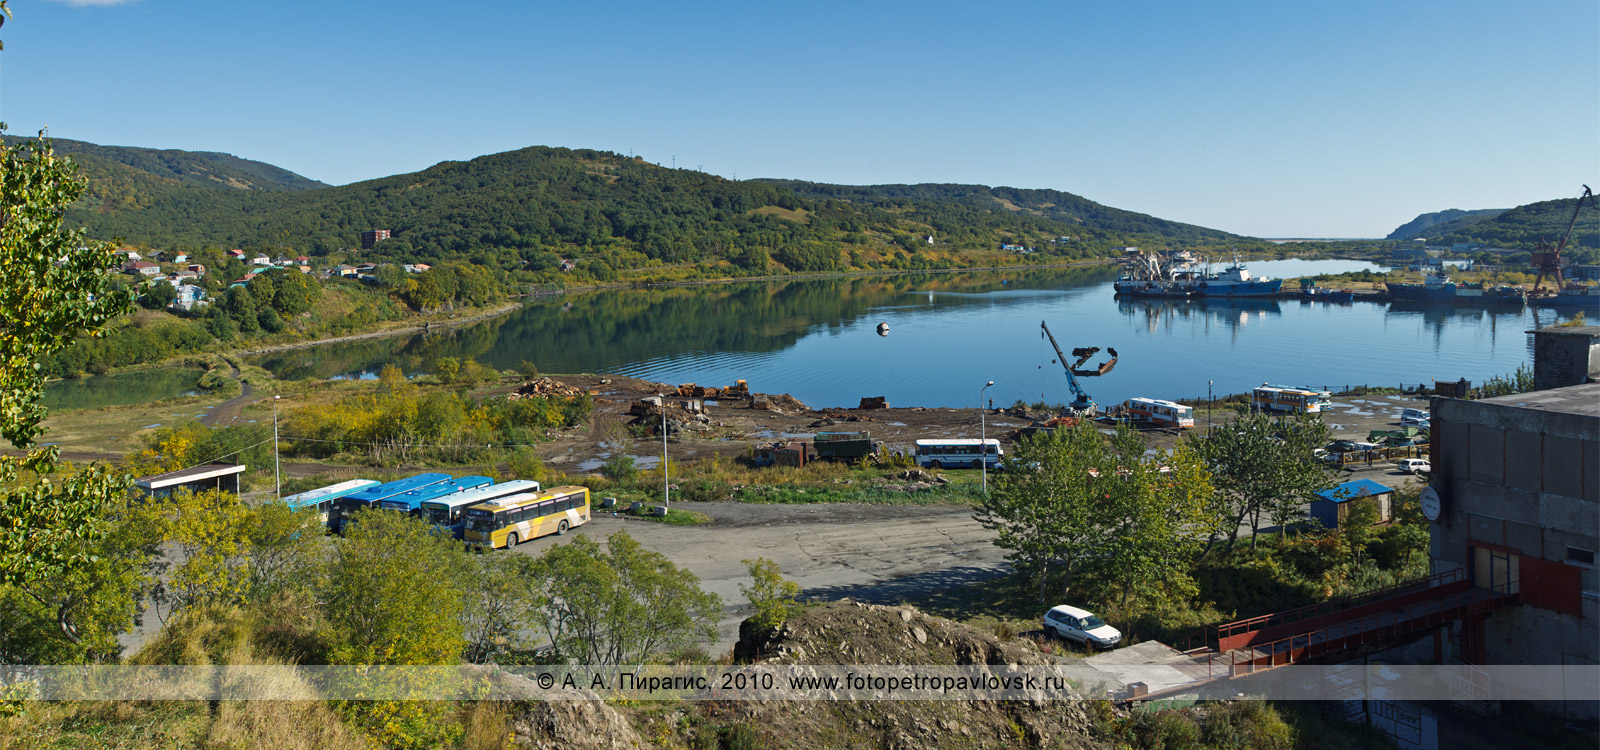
210 532
191 443
394 594
769 593
620 605
1264 469
1520 381
1096 510
503 602
285 546
1524 226
402 422
54 286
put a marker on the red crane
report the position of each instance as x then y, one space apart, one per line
1546 261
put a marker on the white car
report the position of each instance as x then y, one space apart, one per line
1414 416
1416 466
1071 623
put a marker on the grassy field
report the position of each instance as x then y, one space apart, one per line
116 429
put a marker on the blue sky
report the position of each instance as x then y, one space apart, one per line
1264 118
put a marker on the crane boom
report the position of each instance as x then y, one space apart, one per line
1081 401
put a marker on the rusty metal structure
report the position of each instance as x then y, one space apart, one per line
1545 260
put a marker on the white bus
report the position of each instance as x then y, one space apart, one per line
322 498
449 512
959 453
1162 413
1292 400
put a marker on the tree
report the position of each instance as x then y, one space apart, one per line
1101 513
623 605
210 532
54 288
285 547
1264 470
769 593
158 295
393 592
501 604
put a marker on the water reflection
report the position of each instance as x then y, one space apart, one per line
135 387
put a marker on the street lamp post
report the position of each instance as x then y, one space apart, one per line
665 483
983 437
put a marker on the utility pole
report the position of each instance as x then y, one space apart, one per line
277 475
983 436
1208 406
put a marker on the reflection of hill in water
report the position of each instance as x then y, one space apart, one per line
604 331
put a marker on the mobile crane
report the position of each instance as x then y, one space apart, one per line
1082 405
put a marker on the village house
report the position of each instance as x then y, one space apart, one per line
143 268
197 269
261 260
190 297
236 254
416 267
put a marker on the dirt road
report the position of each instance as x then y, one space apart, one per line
874 553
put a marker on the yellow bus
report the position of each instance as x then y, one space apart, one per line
506 521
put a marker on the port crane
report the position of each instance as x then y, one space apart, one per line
1082 404
1546 261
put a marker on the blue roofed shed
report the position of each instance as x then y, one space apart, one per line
1332 504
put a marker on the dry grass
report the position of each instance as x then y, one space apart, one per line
488 727
798 215
116 429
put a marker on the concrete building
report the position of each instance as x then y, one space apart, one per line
1565 356
1518 485
372 237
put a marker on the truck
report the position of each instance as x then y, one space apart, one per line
843 446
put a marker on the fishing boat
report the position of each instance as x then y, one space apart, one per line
1434 286
1152 276
1572 295
1236 281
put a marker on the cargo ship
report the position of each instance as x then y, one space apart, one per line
1572 295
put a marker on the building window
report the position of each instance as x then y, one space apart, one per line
1580 556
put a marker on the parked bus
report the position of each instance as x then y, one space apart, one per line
510 520
371 496
449 512
1161 413
1292 400
322 498
411 502
959 453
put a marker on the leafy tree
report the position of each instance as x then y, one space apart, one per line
1099 512
621 605
769 593
54 287
158 295
393 592
501 604
1264 470
286 546
210 532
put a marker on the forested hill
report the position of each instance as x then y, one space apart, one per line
1443 222
529 209
198 168
1522 227
949 208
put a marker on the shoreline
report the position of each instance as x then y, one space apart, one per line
424 327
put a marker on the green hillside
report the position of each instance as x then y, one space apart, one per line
206 169
1522 227
953 210
1443 222
532 207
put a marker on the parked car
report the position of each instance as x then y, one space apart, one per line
1073 624
1416 466
1414 416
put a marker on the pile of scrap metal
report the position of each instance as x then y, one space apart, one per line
739 389
1045 426
547 388
688 414
779 403
795 453
873 402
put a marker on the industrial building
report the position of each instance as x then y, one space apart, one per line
1514 502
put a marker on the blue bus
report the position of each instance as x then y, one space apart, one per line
322 498
411 502
449 512
371 496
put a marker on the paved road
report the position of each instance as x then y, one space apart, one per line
876 553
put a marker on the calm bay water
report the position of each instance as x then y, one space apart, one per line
950 333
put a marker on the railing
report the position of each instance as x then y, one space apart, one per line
1261 622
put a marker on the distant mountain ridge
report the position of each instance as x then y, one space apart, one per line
1443 222
1522 228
